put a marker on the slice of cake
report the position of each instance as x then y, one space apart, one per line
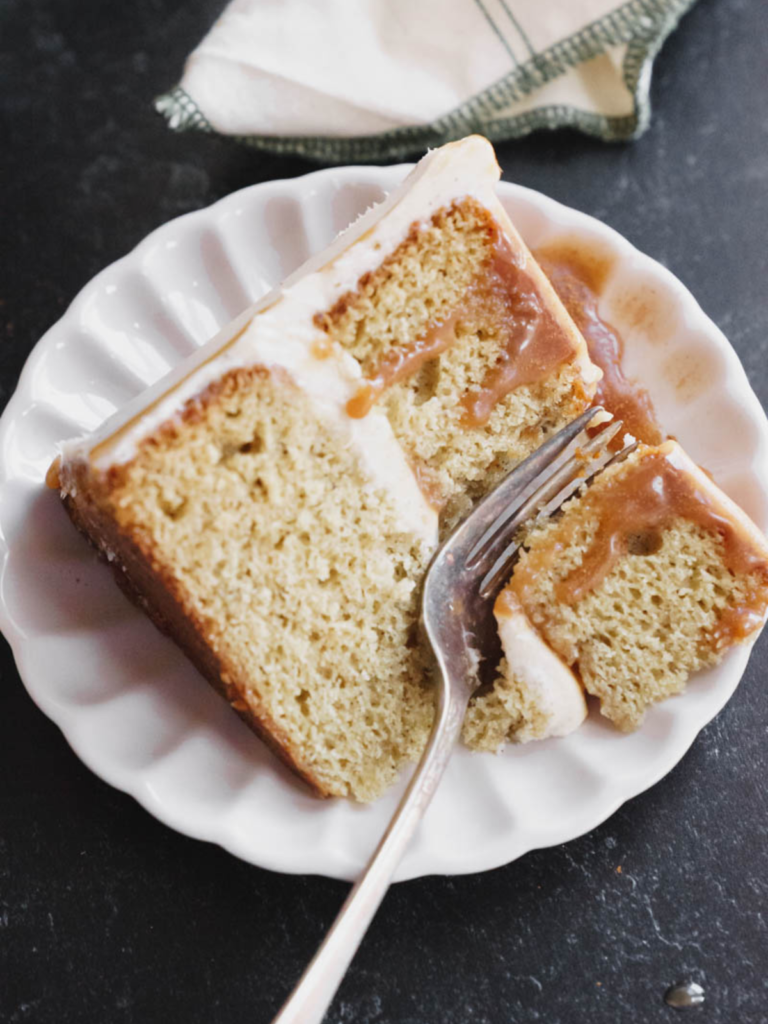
281 546
272 503
460 337
535 695
649 575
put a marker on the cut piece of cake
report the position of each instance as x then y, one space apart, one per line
535 695
650 574
272 503
460 337
282 551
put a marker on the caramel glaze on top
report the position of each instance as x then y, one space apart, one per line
633 508
578 281
533 343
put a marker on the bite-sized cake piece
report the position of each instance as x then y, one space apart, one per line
535 695
272 503
650 574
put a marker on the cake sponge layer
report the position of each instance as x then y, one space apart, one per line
436 330
649 575
254 537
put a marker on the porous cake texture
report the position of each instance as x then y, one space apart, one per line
250 533
650 574
273 503
438 330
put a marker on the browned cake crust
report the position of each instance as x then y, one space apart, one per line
156 593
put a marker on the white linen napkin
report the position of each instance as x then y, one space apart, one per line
364 79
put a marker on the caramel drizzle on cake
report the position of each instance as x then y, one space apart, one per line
633 509
534 346
399 363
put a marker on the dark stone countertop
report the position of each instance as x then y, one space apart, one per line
108 916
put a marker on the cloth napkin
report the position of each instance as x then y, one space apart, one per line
356 80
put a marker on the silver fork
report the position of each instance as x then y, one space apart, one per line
463 579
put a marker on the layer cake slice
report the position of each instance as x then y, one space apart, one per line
273 503
649 575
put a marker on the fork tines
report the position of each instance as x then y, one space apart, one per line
561 472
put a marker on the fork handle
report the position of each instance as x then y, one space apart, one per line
317 985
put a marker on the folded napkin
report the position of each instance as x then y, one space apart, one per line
351 80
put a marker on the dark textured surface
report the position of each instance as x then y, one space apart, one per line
106 915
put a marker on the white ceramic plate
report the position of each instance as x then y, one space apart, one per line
130 704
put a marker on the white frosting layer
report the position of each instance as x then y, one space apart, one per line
549 682
719 500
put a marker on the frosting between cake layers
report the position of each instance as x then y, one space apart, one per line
326 383
435 183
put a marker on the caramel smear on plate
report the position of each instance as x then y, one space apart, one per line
578 277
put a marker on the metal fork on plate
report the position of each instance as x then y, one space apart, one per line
464 577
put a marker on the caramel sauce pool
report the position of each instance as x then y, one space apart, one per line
578 278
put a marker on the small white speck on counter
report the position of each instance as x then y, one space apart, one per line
684 995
